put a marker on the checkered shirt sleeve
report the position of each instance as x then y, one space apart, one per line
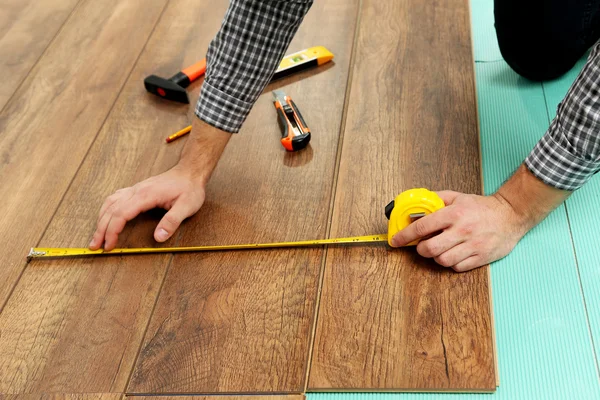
243 57
569 153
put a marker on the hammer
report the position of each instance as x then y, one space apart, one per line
174 87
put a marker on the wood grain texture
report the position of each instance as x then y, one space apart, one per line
389 319
52 120
217 397
240 322
63 396
76 325
26 29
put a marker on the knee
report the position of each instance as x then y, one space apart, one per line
532 47
534 61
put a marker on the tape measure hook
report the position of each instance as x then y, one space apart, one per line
34 253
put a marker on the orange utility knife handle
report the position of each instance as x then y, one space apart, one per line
195 71
294 131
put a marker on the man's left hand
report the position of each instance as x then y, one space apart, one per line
471 231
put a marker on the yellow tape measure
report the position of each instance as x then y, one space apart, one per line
401 212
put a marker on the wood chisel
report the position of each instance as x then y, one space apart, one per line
402 211
174 87
295 135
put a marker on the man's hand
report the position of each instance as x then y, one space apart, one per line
179 190
472 231
174 190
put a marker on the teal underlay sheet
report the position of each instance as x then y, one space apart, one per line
485 44
547 291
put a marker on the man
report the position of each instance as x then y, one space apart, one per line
472 230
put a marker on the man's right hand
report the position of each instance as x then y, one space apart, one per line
180 190
174 190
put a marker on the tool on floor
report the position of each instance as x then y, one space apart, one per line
409 206
295 135
302 60
406 208
179 134
174 87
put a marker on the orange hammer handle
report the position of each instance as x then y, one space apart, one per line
195 71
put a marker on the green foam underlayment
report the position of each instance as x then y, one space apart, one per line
485 45
584 215
541 306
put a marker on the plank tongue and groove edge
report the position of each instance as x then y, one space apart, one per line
26 29
241 322
52 119
389 319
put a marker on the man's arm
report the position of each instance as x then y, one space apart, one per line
569 153
180 190
243 57
241 61
475 230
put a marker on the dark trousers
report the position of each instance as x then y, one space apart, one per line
542 40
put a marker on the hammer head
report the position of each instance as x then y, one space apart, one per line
166 88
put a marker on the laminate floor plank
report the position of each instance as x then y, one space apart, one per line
26 29
76 325
229 397
51 121
64 396
241 322
389 319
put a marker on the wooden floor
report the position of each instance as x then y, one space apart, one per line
396 109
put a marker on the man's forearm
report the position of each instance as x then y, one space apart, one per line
243 57
202 151
568 155
530 198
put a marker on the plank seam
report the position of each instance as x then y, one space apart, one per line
42 54
488 61
546 102
88 150
215 394
139 350
58 31
336 170
481 180
151 314
585 307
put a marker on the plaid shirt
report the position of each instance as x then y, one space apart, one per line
243 57
254 36
569 153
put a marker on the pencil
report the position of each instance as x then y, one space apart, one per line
179 134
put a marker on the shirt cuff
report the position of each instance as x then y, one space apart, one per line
552 162
221 110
